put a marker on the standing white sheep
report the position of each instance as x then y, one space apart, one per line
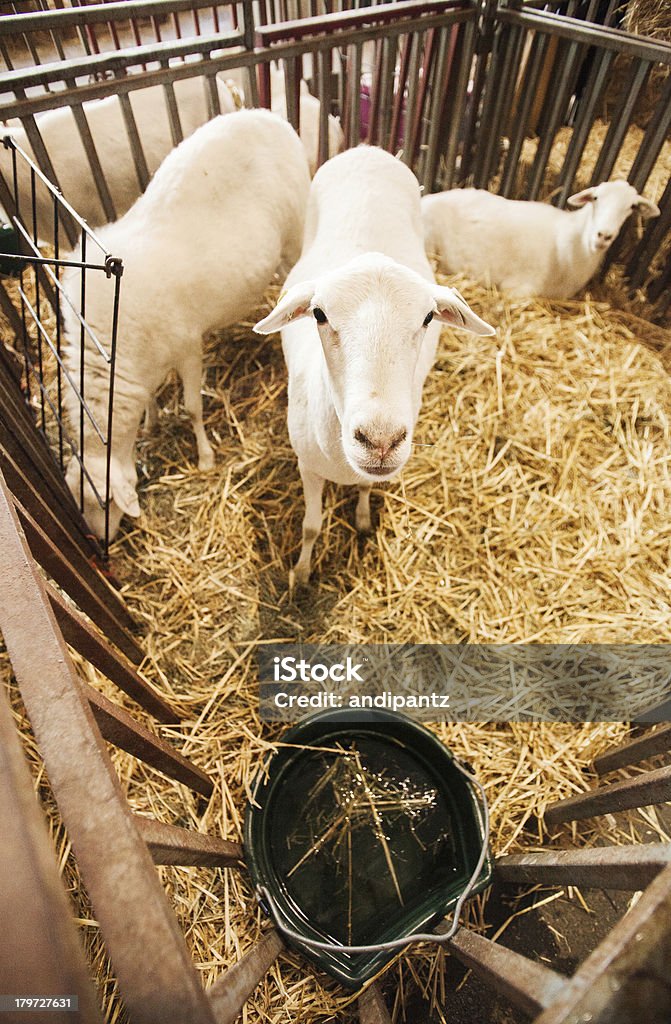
528 248
357 330
65 148
222 213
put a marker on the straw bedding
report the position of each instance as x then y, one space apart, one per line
534 508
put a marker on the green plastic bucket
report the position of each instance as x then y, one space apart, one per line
362 833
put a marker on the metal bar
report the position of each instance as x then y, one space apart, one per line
638 749
169 844
372 1007
116 63
5 56
620 122
43 159
23 442
626 978
156 977
94 161
99 652
399 96
412 116
293 73
81 590
652 240
453 113
121 729
499 68
139 159
527 984
176 132
603 867
212 96
9 310
10 362
59 332
40 950
441 72
601 36
527 89
82 375
230 992
648 788
324 90
353 119
94 14
46 518
479 79
504 106
20 440
568 61
386 92
374 98
655 136
661 288
581 129
383 14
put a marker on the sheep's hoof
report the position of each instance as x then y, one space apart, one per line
299 576
206 461
363 524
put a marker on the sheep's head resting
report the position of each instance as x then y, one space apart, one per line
371 317
609 205
123 493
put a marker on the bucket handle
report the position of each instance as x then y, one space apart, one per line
264 895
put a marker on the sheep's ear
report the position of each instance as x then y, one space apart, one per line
588 195
123 491
646 208
292 305
452 309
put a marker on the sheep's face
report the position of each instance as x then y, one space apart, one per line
610 203
123 495
372 324
372 317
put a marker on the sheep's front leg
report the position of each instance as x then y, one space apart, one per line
362 515
150 415
192 377
313 487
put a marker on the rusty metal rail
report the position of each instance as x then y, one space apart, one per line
40 950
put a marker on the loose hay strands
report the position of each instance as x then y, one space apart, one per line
534 508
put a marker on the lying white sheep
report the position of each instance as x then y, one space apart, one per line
357 330
66 150
528 248
222 213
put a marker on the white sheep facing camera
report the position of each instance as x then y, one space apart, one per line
360 321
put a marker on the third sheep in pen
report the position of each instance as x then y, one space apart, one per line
222 213
528 248
360 325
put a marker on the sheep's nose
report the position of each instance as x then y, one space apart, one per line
380 442
605 236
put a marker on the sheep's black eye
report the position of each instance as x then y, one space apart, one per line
428 318
319 315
